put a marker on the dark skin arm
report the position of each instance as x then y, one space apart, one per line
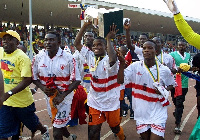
21 86
47 91
174 71
110 49
77 42
1 89
168 89
127 27
122 66
58 99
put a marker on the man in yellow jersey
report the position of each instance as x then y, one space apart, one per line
186 31
17 104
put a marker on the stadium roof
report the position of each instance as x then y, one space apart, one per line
56 12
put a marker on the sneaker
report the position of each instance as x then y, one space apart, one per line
125 113
177 131
131 116
72 137
46 135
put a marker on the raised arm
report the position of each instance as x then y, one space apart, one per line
77 42
127 26
186 31
122 66
110 49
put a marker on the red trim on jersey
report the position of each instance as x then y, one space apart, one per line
56 78
141 87
105 89
128 85
103 81
166 104
144 97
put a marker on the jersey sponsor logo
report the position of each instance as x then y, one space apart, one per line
43 65
7 62
7 72
138 73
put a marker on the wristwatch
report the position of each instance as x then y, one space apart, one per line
10 92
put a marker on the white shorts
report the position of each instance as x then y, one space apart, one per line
158 129
63 115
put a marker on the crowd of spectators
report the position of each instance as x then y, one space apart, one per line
68 37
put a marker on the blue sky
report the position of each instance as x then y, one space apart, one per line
190 8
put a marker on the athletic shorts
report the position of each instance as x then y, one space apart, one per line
97 117
121 95
158 129
11 118
63 115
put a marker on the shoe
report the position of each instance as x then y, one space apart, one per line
125 113
177 131
46 135
72 137
131 116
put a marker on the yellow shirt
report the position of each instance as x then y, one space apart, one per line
14 67
186 31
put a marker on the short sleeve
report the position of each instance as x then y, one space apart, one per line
25 66
128 75
168 77
74 71
138 50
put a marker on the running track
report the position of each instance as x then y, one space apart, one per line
188 121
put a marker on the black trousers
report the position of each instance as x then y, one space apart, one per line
178 102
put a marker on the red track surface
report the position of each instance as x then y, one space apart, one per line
128 125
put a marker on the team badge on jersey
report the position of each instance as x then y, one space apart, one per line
62 66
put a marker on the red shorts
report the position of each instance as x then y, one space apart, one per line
97 117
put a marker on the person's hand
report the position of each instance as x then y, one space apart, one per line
87 22
194 69
127 24
157 91
120 56
113 31
58 99
49 91
179 70
171 4
3 98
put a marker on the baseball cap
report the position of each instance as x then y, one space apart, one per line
10 32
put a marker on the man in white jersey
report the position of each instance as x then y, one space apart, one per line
164 58
81 56
103 97
55 73
83 53
149 104
142 38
